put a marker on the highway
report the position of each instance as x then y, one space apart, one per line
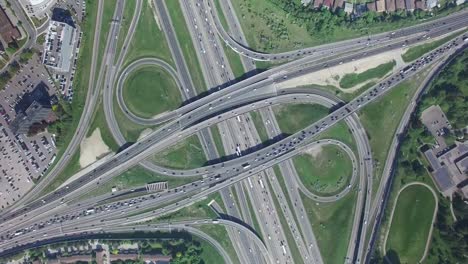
181 123
310 130
235 100
240 47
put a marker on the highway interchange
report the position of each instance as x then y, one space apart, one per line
61 215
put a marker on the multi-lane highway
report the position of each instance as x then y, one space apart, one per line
312 130
56 212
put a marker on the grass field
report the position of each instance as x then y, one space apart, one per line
259 125
209 253
353 79
381 119
415 52
198 210
220 234
332 224
411 223
150 91
186 44
218 140
326 173
304 115
187 154
148 40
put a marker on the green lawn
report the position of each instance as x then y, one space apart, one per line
218 140
148 40
187 154
304 115
415 52
234 61
259 125
353 79
99 121
381 119
220 234
326 172
209 254
150 91
198 210
186 44
411 223
332 225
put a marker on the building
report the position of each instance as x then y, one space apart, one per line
156 259
421 5
360 9
400 4
8 32
371 6
338 4
318 3
390 5
328 3
380 5
348 8
59 46
409 5
37 8
431 4
450 169
33 108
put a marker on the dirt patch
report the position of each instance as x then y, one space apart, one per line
313 151
92 148
145 132
332 76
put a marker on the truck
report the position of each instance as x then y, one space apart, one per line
250 183
261 183
246 165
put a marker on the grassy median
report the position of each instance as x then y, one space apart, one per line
353 79
187 154
148 40
304 115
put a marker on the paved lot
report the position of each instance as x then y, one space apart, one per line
22 158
